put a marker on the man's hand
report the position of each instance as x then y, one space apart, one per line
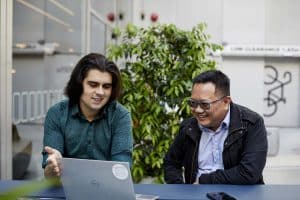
196 181
53 167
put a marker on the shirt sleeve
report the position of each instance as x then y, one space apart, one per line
122 140
53 136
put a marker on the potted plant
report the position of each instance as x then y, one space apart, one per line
159 64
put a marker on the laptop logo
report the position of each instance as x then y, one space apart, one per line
120 171
95 183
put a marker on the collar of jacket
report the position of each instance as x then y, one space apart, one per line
236 116
237 126
193 130
239 119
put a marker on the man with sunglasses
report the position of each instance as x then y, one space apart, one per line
223 143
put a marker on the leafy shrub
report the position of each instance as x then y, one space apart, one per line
160 63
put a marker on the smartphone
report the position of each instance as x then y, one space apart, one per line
146 197
219 196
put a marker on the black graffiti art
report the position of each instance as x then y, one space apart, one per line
275 94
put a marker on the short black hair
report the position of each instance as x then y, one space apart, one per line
216 77
74 86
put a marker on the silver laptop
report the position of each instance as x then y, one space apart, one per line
97 179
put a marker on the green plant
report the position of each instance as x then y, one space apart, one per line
160 63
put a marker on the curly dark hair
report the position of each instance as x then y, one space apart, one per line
74 86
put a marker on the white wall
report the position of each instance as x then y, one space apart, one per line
190 12
282 26
246 75
244 22
184 13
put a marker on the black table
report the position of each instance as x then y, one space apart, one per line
186 192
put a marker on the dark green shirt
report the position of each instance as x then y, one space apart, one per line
107 137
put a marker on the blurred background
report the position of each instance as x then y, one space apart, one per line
41 41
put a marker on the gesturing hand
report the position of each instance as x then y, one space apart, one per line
53 167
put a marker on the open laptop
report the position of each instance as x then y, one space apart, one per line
98 179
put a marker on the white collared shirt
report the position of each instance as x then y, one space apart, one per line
211 147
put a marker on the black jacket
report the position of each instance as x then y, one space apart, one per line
244 154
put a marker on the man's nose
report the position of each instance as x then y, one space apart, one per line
100 90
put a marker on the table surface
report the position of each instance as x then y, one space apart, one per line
187 192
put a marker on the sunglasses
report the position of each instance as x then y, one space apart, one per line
205 105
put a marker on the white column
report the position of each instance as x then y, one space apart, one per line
88 26
85 28
6 14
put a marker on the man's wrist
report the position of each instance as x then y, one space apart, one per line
204 179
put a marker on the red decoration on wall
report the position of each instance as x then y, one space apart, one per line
111 17
154 17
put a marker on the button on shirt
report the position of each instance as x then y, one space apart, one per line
107 137
211 147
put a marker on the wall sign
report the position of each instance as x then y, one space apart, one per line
261 50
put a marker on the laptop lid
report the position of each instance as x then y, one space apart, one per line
96 179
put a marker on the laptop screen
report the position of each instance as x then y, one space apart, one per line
96 179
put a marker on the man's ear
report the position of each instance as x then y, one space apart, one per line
227 101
